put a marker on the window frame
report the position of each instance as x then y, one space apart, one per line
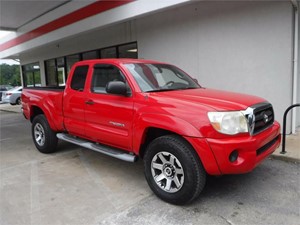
31 71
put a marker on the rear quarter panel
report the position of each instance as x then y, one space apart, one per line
49 101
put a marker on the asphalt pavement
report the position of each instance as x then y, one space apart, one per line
78 186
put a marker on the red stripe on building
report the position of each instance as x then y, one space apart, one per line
80 14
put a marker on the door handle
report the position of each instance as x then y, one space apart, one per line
90 102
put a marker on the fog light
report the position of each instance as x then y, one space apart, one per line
233 156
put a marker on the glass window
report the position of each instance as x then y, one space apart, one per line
109 53
71 60
90 55
102 75
79 77
31 75
51 78
28 81
128 51
37 78
61 76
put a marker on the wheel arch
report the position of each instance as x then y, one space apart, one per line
36 110
152 126
151 133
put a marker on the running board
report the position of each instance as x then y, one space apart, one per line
110 151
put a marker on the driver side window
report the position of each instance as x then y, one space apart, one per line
102 75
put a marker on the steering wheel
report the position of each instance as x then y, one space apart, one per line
169 83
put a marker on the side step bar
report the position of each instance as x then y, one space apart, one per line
113 152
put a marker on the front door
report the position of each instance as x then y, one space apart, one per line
108 117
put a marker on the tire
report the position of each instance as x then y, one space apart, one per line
43 136
173 170
18 101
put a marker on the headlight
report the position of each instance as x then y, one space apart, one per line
228 122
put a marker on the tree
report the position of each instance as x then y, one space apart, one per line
10 74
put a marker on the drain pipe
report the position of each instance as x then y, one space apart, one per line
295 64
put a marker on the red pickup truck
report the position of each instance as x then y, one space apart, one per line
132 109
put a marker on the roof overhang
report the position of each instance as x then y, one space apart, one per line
71 18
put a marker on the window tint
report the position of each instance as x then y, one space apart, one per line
102 75
109 53
128 51
90 55
51 72
71 60
79 77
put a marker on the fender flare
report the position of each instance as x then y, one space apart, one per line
47 114
160 121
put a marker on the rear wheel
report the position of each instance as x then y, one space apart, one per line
43 136
173 170
18 101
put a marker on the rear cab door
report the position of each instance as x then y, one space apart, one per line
75 96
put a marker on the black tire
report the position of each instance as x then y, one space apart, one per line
18 101
40 129
175 151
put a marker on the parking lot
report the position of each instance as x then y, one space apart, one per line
79 186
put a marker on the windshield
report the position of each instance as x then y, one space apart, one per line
160 77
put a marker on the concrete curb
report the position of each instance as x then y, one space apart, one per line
285 158
10 111
9 108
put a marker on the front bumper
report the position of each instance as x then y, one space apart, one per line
5 99
215 153
251 150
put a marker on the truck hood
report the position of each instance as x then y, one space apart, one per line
207 98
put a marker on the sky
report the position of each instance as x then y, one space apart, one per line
7 61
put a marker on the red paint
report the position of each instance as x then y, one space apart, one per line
80 14
183 112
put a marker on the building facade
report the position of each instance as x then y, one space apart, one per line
246 46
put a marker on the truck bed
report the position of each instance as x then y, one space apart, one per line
48 98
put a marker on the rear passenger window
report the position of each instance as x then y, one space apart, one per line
79 77
102 75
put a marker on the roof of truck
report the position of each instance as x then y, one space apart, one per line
119 61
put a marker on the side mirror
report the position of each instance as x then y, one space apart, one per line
195 80
117 88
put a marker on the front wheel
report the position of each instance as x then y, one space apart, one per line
43 136
173 170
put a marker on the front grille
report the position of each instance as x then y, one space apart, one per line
263 117
259 117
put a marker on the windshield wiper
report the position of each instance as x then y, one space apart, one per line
188 88
175 89
160 90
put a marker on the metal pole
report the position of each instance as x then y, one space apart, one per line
284 126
